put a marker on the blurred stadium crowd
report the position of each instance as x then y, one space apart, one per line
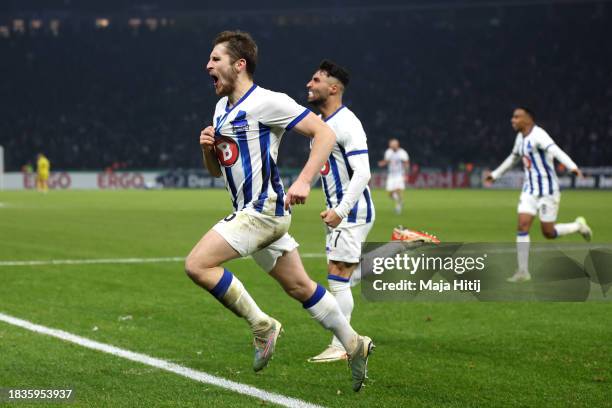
123 90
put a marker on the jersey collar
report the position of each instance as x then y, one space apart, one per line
334 114
229 110
246 95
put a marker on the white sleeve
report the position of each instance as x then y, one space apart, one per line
511 160
505 166
562 157
282 111
352 138
546 143
387 155
405 156
361 176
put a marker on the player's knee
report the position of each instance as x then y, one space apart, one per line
191 268
195 268
334 268
341 269
549 233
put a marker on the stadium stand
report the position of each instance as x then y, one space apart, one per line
132 90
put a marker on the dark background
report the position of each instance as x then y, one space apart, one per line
443 77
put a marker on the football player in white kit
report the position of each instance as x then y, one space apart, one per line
540 194
349 215
242 146
397 161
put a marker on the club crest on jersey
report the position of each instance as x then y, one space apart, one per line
227 151
239 126
526 162
325 169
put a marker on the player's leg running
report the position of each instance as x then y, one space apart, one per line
339 281
399 202
202 266
551 230
522 248
323 307
548 208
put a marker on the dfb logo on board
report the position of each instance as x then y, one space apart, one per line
227 151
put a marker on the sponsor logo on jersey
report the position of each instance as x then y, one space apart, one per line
527 162
325 169
227 151
240 126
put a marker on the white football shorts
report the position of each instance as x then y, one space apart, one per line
547 206
262 236
395 182
343 243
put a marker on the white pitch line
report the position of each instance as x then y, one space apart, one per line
394 249
199 376
114 261
91 261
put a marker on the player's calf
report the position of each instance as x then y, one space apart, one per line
291 275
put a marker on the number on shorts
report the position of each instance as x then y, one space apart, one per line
336 240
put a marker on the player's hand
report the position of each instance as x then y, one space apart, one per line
382 163
489 179
297 193
578 172
330 218
207 138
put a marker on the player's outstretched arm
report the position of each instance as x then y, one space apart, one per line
322 144
207 143
564 159
505 166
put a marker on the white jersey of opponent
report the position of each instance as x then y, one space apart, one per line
247 136
396 159
336 174
538 162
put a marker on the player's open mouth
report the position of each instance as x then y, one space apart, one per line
215 79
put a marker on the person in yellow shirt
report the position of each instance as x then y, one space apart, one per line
42 169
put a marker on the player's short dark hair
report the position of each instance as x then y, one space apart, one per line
239 44
334 70
528 111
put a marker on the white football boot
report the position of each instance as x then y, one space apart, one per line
519 276
330 354
584 229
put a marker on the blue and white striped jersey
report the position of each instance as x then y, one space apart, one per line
337 171
248 135
537 153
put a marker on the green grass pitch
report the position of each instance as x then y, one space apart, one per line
428 354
